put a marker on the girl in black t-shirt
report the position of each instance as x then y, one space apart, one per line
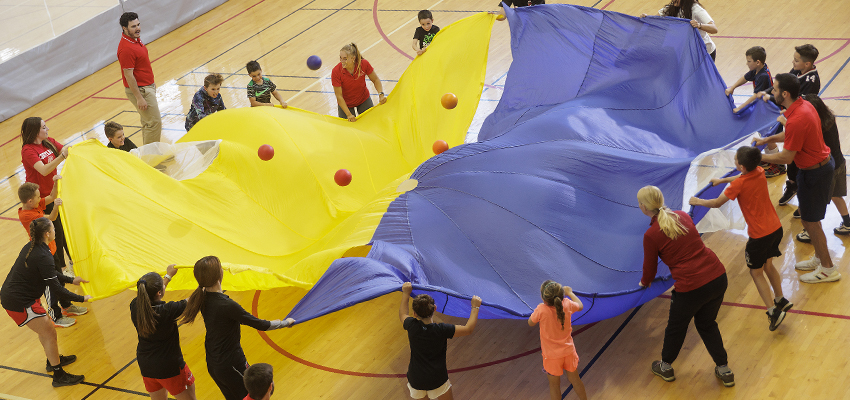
226 361
159 354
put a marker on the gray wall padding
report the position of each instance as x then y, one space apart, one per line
44 70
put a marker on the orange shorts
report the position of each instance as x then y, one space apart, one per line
174 385
556 366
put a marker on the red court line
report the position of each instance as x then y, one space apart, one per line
834 97
108 98
153 61
802 312
276 347
9 219
606 5
774 37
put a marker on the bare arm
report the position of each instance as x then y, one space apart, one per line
170 271
416 46
568 291
783 157
341 102
707 27
713 203
255 103
279 99
134 87
739 82
53 193
46 169
531 322
406 289
464 330
380 88
777 138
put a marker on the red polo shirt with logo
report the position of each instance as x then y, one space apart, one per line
354 90
803 134
132 54
32 153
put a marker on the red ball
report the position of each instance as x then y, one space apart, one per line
449 101
342 177
265 152
440 146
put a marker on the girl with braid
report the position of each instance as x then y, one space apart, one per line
556 340
159 354
349 81
33 275
226 361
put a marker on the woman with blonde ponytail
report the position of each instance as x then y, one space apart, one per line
226 361
159 354
349 81
556 339
700 283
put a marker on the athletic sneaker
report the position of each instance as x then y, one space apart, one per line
808 265
725 375
67 379
775 318
804 237
796 214
772 170
783 304
68 272
74 310
790 192
820 276
842 230
64 322
63 361
664 370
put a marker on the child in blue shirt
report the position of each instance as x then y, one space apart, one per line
206 101
759 73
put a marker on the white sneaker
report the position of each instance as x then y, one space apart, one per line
820 276
808 265
842 230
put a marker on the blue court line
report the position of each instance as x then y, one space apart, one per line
833 76
605 347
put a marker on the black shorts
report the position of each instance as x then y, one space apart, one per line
814 190
759 250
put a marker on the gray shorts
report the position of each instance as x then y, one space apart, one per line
839 181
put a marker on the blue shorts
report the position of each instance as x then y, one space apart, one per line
814 190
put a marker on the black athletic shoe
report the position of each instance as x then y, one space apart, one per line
666 374
775 318
63 361
67 380
783 304
796 214
790 192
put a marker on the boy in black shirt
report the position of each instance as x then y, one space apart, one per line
115 133
759 73
425 33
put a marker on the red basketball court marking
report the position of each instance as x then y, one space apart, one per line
9 219
755 307
108 98
606 5
300 360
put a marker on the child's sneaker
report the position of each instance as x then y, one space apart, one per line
664 370
808 265
68 272
783 304
842 230
64 322
775 318
796 214
819 275
804 237
725 375
74 310
67 379
63 361
790 192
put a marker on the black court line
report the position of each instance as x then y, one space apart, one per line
81 383
608 343
112 377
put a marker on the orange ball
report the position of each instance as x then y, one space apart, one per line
440 146
342 177
449 101
265 152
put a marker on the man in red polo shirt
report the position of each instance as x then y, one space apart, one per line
805 146
137 74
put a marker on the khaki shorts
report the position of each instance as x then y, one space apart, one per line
431 394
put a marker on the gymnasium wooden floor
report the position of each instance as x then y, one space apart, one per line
362 352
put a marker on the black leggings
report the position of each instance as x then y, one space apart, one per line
61 244
700 305
228 378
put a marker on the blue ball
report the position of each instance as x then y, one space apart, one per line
314 62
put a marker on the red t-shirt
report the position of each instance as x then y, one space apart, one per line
803 134
354 90
554 341
32 153
754 198
691 263
27 216
132 54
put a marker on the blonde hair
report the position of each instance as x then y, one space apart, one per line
652 198
351 49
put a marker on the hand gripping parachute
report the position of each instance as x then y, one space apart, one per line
596 105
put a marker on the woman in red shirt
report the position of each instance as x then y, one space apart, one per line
700 283
41 155
349 82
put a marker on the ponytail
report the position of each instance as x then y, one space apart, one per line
553 295
207 272
653 200
193 306
352 50
147 287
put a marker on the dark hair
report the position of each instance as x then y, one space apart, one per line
423 306
757 53
258 378
553 295
788 83
126 18
808 52
684 7
251 66
207 272
214 79
147 289
111 127
425 14
749 157
827 118
29 131
27 191
38 228
352 50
